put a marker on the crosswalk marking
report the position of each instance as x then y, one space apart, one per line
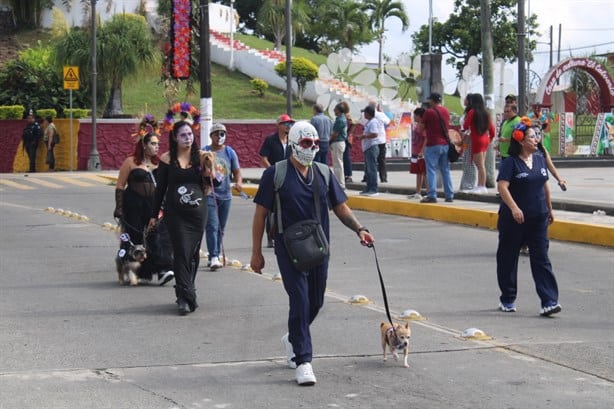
72 181
15 184
98 179
45 183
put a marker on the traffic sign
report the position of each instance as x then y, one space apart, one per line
71 77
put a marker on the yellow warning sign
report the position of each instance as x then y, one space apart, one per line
71 77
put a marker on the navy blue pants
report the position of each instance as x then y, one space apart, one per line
306 296
533 232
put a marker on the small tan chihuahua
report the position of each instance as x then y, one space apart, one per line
396 339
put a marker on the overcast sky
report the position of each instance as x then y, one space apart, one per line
587 27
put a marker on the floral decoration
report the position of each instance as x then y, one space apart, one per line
177 108
147 125
181 35
521 128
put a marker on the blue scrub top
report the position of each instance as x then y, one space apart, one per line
526 185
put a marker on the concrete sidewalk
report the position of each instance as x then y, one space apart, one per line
584 213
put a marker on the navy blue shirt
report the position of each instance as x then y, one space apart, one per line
526 185
296 197
274 150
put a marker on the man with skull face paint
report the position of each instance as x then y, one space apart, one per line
305 289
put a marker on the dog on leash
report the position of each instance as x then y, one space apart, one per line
397 339
129 262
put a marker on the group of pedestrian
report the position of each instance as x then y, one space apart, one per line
32 135
191 189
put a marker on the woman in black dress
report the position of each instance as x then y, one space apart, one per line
134 194
184 174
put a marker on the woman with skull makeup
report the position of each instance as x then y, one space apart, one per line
184 176
134 194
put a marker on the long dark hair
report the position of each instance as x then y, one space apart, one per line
468 107
481 117
194 149
139 150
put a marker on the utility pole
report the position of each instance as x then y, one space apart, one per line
289 57
488 78
522 73
93 162
206 103
550 66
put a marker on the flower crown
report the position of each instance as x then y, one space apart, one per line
147 125
520 128
169 118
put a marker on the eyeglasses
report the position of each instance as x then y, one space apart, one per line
288 124
308 143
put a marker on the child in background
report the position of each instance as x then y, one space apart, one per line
417 165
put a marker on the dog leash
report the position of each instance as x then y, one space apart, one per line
381 281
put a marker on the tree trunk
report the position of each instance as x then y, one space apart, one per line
487 75
114 105
380 61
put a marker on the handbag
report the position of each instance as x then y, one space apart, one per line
305 240
453 154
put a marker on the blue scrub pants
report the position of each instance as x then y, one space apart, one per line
305 291
533 232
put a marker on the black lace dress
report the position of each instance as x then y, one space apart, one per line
185 212
137 207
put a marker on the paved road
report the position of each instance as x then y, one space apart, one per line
72 338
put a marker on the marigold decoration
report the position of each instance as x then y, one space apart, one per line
181 36
147 125
177 108
520 128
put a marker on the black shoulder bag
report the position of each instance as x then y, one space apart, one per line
305 240
453 154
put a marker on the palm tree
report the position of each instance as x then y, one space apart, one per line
124 45
379 11
272 19
350 21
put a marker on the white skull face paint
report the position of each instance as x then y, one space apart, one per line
184 136
152 147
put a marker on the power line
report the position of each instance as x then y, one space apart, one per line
576 48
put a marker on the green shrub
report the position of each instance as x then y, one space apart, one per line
303 70
76 113
260 86
45 112
12 111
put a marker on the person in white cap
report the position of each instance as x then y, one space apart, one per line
220 197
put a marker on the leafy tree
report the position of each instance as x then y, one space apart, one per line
124 45
28 12
341 25
303 71
272 19
380 11
34 82
460 36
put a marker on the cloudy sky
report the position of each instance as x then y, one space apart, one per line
587 27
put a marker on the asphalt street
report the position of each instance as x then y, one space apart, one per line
73 338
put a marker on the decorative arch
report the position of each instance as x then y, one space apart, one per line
592 67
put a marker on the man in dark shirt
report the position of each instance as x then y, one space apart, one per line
32 134
273 149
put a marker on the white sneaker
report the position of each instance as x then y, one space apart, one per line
165 277
289 351
304 375
215 263
480 190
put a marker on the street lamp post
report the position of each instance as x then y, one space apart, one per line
93 162
232 43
